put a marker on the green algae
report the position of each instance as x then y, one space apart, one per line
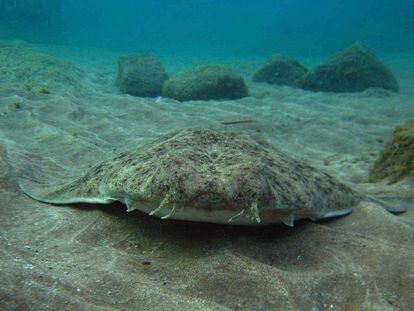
43 90
15 105
206 82
141 75
397 158
281 70
354 69
29 69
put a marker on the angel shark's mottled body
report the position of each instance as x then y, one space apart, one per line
211 176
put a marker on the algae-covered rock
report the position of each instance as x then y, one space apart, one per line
397 159
281 70
354 69
141 75
204 83
22 66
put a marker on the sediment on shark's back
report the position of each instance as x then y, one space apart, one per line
208 175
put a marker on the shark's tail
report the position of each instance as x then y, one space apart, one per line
395 198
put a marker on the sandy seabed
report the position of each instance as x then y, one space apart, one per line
103 258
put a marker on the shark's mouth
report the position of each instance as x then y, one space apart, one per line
230 217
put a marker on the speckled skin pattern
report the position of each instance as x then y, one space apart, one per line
213 171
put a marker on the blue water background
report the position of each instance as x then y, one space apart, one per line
208 27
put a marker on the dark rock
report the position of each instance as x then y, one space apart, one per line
141 75
397 159
281 70
206 82
354 69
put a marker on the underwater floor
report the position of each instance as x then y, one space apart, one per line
103 258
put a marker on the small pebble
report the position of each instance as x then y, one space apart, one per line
146 262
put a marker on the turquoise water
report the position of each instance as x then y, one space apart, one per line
232 27
69 99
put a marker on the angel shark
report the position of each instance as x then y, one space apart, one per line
209 175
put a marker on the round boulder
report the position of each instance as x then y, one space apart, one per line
141 75
397 158
354 69
204 83
281 70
